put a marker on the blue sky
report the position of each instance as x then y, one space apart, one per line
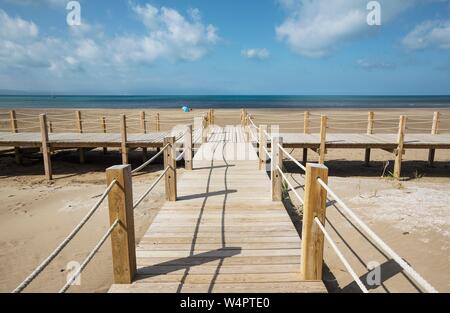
297 47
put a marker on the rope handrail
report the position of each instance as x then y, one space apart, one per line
145 194
151 160
292 158
89 257
341 256
267 152
290 185
408 269
64 243
181 155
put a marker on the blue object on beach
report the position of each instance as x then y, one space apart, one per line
186 109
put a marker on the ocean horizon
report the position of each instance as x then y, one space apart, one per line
221 101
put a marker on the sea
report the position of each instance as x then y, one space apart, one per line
227 101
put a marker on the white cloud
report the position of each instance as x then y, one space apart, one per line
16 28
314 27
170 36
371 65
429 34
255 53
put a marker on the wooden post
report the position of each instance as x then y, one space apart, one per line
15 130
158 125
262 145
79 124
323 139
306 125
124 139
120 201
144 131
434 131
45 147
213 120
103 124
50 127
188 149
370 124
400 149
171 175
277 160
204 130
312 237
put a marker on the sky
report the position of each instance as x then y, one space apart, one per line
251 47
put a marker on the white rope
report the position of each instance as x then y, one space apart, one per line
150 188
150 161
290 185
408 269
267 152
292 158
62 245
181 155
341 256
89 257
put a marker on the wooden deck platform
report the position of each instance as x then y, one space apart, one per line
363 141
224 233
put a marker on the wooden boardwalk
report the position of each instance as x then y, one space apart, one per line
224 233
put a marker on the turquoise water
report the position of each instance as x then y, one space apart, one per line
225 101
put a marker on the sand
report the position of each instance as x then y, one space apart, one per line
412 215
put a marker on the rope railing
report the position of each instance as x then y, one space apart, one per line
145 164
292 158
267 152
89 257
181 156
391 253
341 256
145 194
64 243
290 185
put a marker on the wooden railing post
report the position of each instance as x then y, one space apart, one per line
15 130
204 130
323 139
171 175
277 160
79 124
306 126
370 124
124 139
157 123
144 131
312 237
188 153
434 131
262 145
400 149
45 147
120 201
103 124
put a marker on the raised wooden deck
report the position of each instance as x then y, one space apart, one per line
224 233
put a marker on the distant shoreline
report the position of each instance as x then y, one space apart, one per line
223 102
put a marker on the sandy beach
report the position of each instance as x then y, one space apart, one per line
411 215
